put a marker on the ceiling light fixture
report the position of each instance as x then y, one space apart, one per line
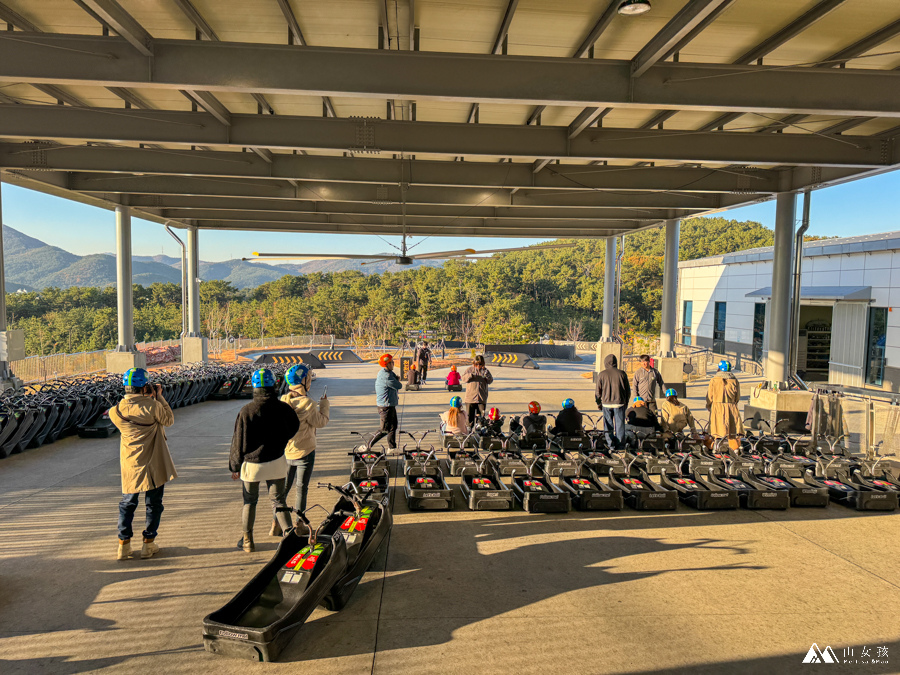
634 7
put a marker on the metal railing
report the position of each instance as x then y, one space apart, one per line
220 346
43 368
869 420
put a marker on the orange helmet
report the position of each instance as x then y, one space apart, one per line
385 359
494 414
534 407
412 365
453 368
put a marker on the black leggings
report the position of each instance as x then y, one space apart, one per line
473 410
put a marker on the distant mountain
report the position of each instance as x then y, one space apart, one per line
32 264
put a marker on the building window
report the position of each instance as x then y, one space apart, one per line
686 321
759 329
719 328
875 342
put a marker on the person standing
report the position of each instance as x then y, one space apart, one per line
476 378
144 459
387 384
647 382
722 398
301 449
261 431
612 395
424 357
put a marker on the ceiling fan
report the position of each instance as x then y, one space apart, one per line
404 258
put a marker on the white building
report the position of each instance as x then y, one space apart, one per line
849 333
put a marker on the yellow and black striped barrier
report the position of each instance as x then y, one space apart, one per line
292 357
510 359
336 356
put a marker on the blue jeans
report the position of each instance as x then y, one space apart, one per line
153 500
301 468
614 424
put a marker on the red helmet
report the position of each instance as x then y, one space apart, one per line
494 414
534 407
385 359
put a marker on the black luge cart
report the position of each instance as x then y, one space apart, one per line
694 491
640 491
507 459
484 489
259 621
372 480
419 456
425 487
842 490
588 493
753 494
537 493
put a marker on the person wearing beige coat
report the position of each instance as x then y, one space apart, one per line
301 449
722 398
146 465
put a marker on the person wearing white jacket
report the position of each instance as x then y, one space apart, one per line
301 449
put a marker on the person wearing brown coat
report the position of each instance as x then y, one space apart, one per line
476 378
144 458
722 399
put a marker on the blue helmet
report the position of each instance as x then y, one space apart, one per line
725 366
568 403
263 378
456 402
670 392
637 399
297 374
135 377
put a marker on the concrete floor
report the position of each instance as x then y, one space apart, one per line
459 592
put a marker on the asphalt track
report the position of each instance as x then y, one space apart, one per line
461 592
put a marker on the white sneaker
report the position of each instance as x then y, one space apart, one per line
124 550
149 549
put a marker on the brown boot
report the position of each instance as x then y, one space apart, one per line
248 545
276 530
124 549
149 549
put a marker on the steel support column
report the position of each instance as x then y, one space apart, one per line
193 277
780 310
609 288
670 289
7 379
124 290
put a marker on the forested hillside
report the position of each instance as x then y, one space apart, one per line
507 297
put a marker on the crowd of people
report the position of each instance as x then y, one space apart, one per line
274 440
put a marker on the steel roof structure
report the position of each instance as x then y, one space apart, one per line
486 117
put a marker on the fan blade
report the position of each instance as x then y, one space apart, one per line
314 256
444 254
522 248
374 262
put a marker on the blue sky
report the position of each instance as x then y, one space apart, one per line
861 207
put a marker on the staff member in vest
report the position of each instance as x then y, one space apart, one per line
261 431
647 382
477 378
424 358
301 449
144 457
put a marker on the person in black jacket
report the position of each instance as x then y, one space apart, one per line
612 395
261 432
640 420
568 421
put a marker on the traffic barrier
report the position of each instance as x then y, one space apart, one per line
336 356
510 359
538 351
292 357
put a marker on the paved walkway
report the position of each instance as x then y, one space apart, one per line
460 592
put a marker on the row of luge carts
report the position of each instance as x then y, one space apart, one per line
556 474
44 412
323 565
